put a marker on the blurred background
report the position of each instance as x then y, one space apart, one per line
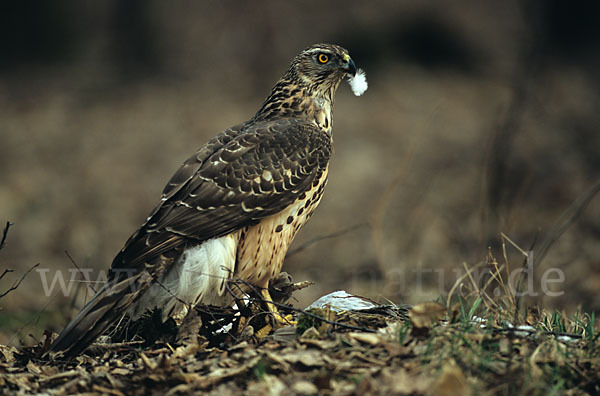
481 118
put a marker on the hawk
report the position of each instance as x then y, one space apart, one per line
231 210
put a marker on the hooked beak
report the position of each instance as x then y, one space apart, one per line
350 67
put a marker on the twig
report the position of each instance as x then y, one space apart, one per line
115 345
501 193
238 283
459 282
5 234
325 236
35 319
315 316
493 277
381 206
523 252
565 220
517 298
527 256
498 277
190 306
64 374
297 310
79 269
16 284
530 331
6 271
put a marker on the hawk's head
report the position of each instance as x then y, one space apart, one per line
308 87
321 67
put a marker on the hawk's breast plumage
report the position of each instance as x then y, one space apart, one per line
232 209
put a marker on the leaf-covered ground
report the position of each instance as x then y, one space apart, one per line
462 350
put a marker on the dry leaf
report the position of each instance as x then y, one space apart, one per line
344 362
451 382
8 353
533 316
147 362
304 388
33 368
187 350
282 364
367 338
425 315
180 389
504 346
65 374
107 391
268 385
308 358
120 371
321 344
401 382
310 333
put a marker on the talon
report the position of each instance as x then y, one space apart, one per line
262 333
278 319
287 320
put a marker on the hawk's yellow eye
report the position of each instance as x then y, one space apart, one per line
323 58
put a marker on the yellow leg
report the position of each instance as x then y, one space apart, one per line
280 320
262 333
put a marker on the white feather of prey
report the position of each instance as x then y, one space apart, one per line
358 82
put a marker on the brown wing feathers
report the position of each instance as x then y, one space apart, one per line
248 176
233 189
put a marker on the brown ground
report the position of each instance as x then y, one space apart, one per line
382 353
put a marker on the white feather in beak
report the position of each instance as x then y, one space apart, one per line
358 82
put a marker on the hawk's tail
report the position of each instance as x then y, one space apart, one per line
106 307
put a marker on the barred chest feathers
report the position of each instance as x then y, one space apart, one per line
254 254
